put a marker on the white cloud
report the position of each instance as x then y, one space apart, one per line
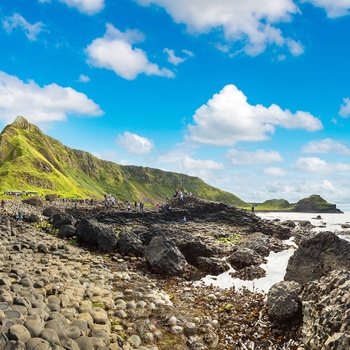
115 51
41 104
326 146
252 23
135 144
250 158
316 165
172 58
181 160
228 118
333 8
274 171
89 7
83 78
17 21
345 108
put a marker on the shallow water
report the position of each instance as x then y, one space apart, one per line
276 264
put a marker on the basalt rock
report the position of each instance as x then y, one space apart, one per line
95 234
164 257
243 257
326 312
130 244
61 219
284 303
317 256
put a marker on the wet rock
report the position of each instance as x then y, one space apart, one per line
244 257
213 266
164 257
325 312
317 256
284 303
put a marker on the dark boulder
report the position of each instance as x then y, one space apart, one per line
284 303
164 257
191 247
35 201
66 231
243 257
61 219
93 233
51 211
213 266
130 244
32 218
317 256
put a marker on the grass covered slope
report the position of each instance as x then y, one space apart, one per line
33 161
312 204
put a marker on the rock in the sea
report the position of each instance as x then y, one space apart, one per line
284 303
244 257
316 257
164 257
213 266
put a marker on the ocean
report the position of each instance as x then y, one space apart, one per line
276 264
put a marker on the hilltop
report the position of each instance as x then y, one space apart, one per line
33 161
312 204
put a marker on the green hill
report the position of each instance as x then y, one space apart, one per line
312 204
33 161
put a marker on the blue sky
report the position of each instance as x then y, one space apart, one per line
253 96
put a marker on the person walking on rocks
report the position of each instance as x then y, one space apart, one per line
2 203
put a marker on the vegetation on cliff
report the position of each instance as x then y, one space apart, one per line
33 161
312 204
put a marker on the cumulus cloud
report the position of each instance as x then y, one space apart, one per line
181 160
274 171
17 21
115 51
326 146
41 104
228 118
135 144
89 7
316 165
250 158
333 8
345 108
252 23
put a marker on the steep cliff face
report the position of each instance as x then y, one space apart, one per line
31 160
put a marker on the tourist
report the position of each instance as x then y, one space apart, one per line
2 204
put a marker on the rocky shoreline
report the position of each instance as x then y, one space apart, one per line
57 292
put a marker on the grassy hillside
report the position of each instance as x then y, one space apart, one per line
33 161
312 204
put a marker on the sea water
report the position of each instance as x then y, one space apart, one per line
276 263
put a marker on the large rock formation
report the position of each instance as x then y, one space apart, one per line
326 310
317 256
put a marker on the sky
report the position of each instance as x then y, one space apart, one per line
251 96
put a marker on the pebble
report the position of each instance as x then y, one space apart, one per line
56 295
